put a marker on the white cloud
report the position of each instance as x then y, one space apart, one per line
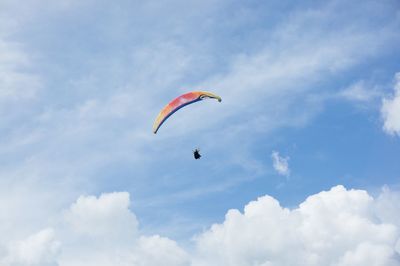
387 206
103 231
40 249
391 110
156 250
278 84
15 81
98 231
107 216
280 164
359 91
369 254
335 227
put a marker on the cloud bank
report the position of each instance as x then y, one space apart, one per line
336 227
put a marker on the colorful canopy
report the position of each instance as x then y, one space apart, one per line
178 103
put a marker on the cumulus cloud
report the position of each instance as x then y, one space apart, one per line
104 231
391 110
280 164
107 215
157 250
335 227
40 249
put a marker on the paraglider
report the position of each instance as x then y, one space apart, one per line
178 103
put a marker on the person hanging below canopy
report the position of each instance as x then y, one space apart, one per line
196 154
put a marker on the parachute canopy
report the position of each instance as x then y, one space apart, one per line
178 103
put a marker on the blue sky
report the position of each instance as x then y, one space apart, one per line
81 82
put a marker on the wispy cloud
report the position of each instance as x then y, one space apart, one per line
391 110
280 164
360 92
17 82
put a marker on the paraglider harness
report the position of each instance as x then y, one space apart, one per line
196 154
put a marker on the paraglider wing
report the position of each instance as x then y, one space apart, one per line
178 103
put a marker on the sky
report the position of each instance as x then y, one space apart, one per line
301 157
